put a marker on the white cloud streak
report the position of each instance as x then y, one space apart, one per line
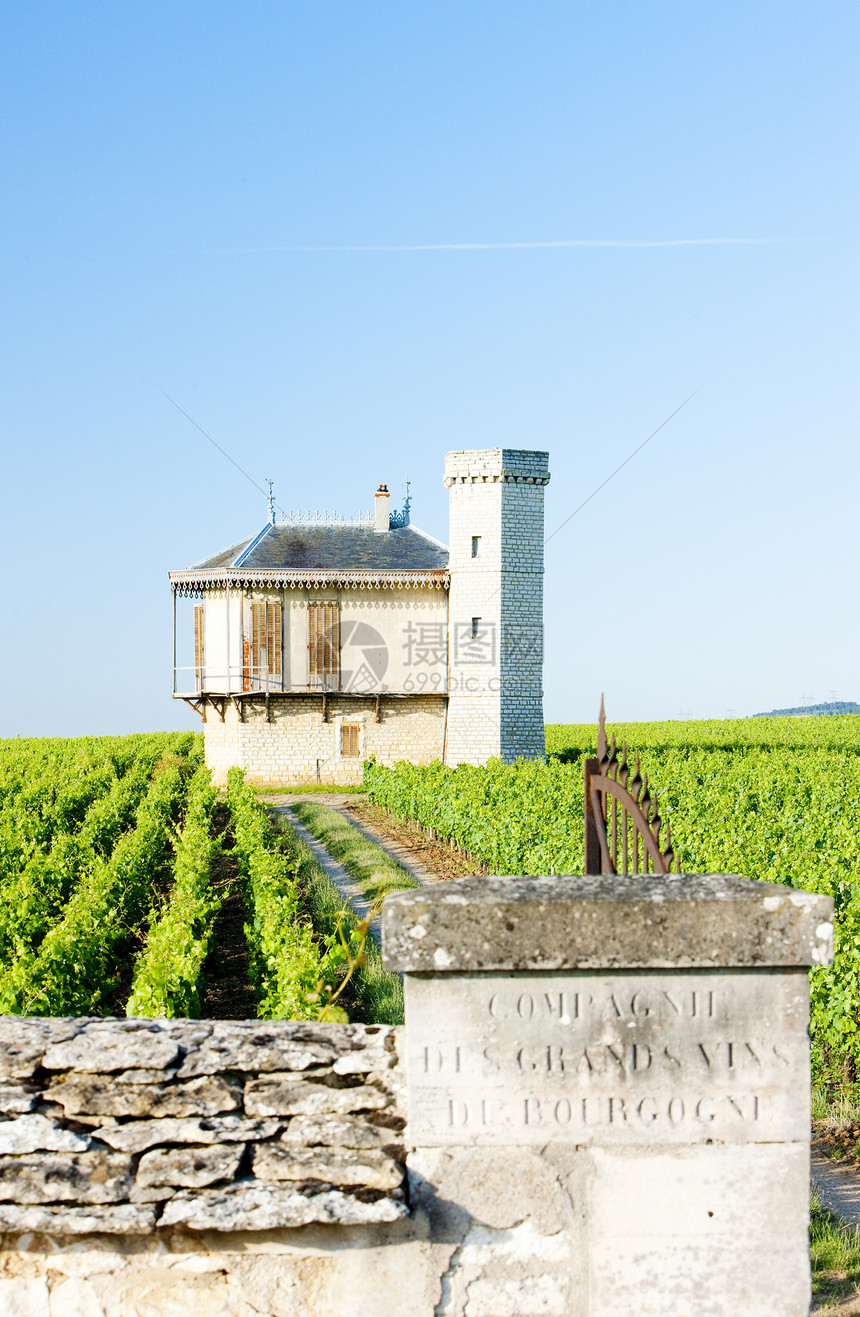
524 246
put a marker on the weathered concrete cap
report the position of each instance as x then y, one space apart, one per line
609 922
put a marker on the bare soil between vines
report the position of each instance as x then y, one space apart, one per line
228 993
436 855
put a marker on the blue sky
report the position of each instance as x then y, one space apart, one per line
165 169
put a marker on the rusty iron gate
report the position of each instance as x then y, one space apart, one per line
622 820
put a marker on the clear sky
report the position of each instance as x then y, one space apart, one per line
189 193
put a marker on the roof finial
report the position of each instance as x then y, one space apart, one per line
399 519
271 500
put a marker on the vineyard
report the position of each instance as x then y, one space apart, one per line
107 903
776 799
108 849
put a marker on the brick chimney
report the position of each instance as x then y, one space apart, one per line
383 499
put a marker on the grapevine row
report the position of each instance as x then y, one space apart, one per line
288 964
167 973
73 968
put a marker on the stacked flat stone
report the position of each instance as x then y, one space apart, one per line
122 1126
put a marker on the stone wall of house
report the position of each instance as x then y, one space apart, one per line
296 744
496 499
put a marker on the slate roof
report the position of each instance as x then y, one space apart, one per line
226 556
349 547
353 553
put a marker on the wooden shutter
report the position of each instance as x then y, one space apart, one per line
199 645
314 655
258 632
265 641
349 740
273 637
323 639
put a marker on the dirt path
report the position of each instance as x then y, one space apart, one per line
408 849
334 871
404 856
839 1186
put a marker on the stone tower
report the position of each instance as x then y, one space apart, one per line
495 612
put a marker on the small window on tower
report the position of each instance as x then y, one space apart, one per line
349 740
476 546
476 627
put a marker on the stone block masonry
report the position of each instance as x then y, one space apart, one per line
647 1040
496 499
298 745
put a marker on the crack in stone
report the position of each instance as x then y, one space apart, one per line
445 1278
447 1294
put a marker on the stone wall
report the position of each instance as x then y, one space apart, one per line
297 745
475 509
207 1169
521 647
130 1126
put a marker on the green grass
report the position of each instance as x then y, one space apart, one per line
834 1250
375 872
836 1103
380 993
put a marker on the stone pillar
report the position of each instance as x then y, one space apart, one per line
608 1091
495 645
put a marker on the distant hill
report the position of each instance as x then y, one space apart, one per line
813 710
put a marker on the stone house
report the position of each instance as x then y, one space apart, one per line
319 642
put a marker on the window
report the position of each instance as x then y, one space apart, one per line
349 740
476 546
323 639
476 627
264 651
199 645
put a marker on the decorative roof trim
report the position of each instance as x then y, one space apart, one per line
365 518
193 582
503 477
